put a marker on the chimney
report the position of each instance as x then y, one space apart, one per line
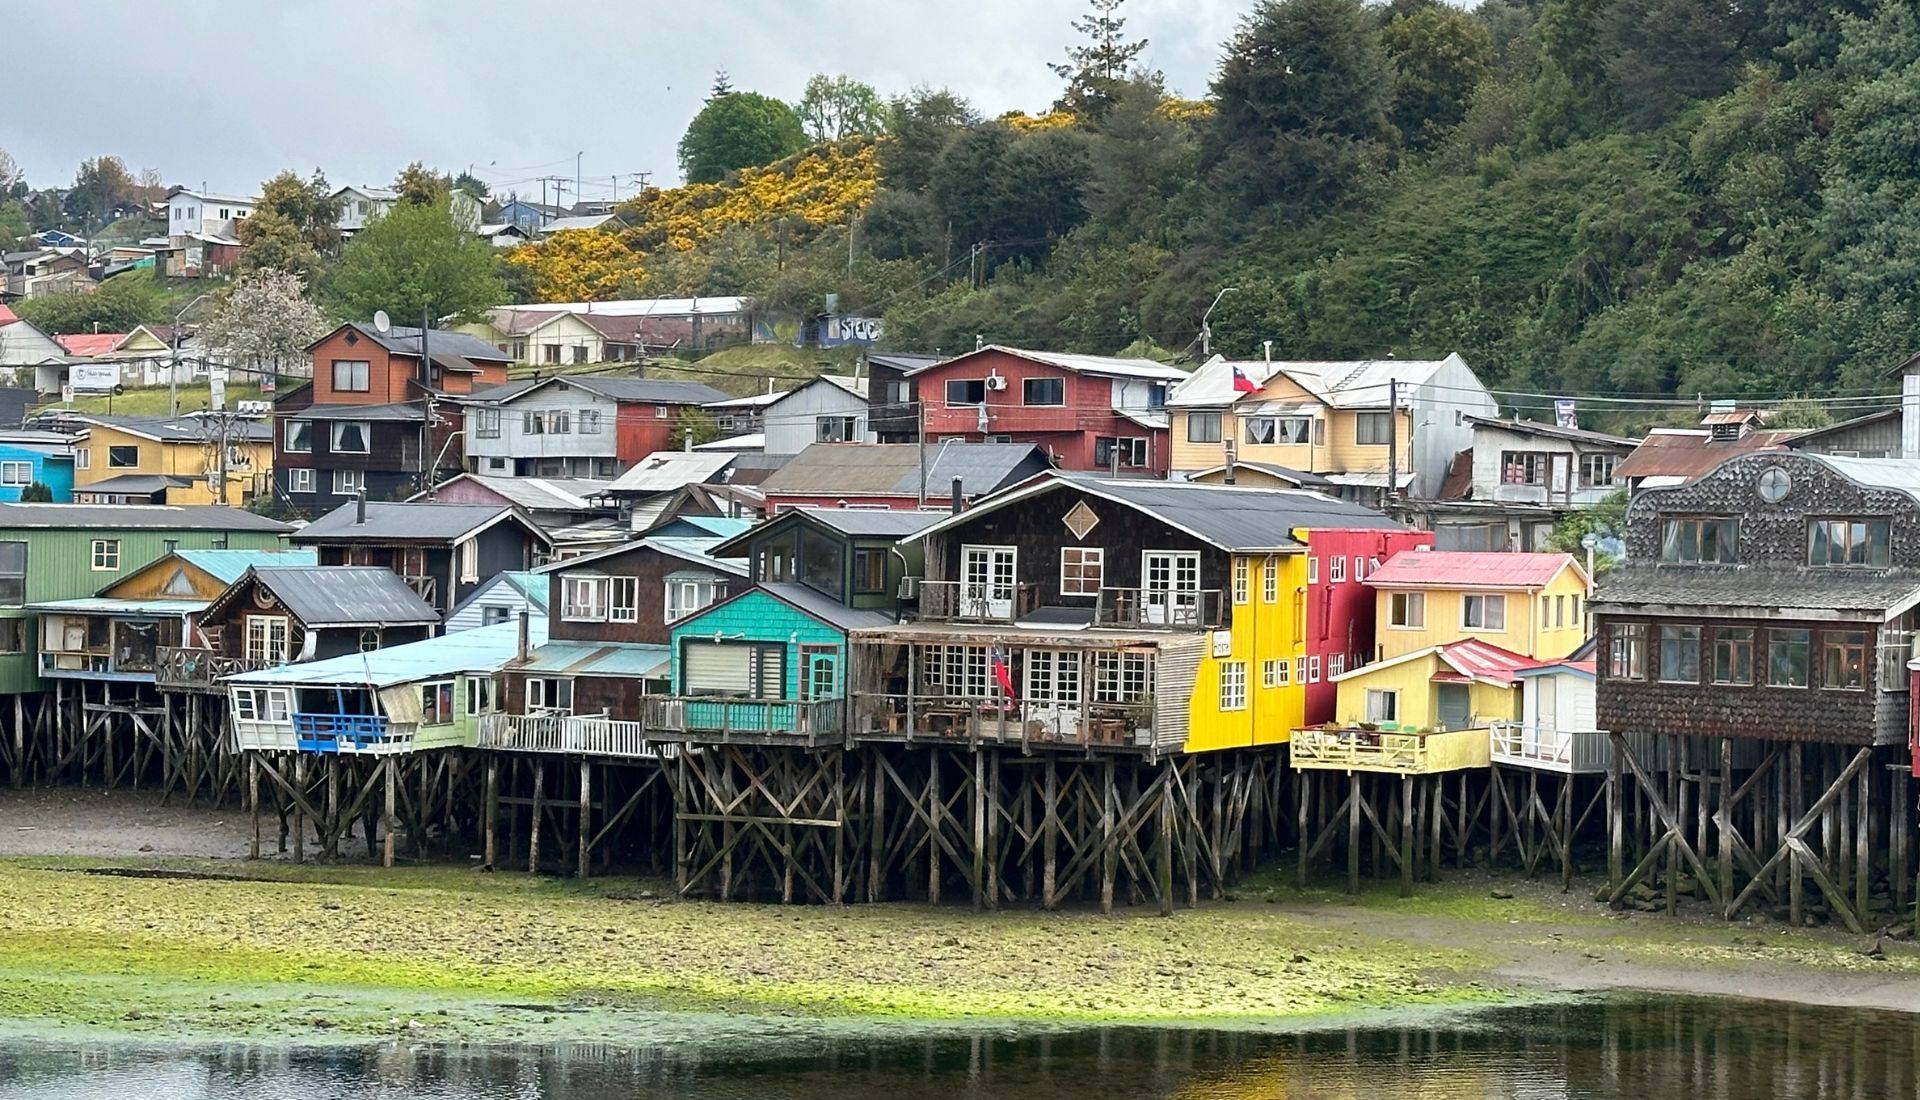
1268 346
979 341
360 508
524 648
958 500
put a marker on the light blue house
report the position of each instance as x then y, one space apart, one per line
501 600
27 456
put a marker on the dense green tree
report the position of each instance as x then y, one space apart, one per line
923 123
421 186
835 107
1662 54
1439 57
273 243
36 492
415 259
472 185
308 205
1096 66
102 191
738 130
14 224
117 305
1301 105
1572 96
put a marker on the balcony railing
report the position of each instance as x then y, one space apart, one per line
183 667
757 719
350 733
425 586
983 720
1160 608
973 602
1531 745
1403 753
560 733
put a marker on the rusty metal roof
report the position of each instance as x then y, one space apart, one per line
1688 453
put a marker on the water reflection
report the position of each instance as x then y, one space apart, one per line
1712 1050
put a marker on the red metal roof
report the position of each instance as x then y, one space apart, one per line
8 316
91 343
1481 661
1468 569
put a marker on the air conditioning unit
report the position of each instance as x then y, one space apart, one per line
996 382
909 588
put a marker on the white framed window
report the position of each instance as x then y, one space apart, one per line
16 473
584 597
1233 685
1383 706
1372 429
351 375
1270 581
106 555
299 480
589 421
1313 570
1242 580
1336 569
1313 670
549 695
1359 567
436 703
347 483
486 423
1483 611
470 561
266 639
481 698
1336 665
1081 568
1275 672
296 437
661 412
494 613
686 595
82 458
624 600
1407 610
1121 677
350 437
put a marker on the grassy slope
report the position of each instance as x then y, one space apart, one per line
153 400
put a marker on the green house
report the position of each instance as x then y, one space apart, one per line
52 552
852 556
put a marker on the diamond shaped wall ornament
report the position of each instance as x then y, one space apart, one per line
1080 519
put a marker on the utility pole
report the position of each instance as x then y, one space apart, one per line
920 414
1206 330
576 174
1393 437
426 380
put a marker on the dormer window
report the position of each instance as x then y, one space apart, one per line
1726 433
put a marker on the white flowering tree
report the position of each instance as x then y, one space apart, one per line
265 325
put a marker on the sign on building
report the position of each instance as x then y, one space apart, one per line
93 377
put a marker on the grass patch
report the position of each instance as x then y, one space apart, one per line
155 400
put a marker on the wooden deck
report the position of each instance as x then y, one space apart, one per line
1531 746
1390 752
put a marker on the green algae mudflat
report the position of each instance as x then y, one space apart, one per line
196 949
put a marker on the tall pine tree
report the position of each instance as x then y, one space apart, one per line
1096 67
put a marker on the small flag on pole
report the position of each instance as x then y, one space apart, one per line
1241 383
1003 674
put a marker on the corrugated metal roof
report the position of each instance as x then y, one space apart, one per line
405 340
123 484
719 527
746 441
535 494
1469 569
529 584
751 401
665 471
185 517
827 610
402 411
1901 474
614 387
346 595
483 649
1688 453
698 551
1104 365
599 659
1353 384
893 469
1487 663
1552 431
876 522
231 565
1285 473
108 605
423 520
187 428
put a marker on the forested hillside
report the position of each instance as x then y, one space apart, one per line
1618 196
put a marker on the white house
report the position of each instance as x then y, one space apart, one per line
1557 727
29 356
585 426
830 409
501 600
360 204
206 213
1516 480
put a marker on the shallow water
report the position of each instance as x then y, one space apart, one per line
1655 1048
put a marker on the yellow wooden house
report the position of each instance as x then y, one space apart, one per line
1531 604
190 459
1424 711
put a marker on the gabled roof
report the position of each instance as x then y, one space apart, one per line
231 565
1464 660
399 411
1104 366
1686 453
483 649
719 527
535 494
665 471
339 595
893 469
412 521
530 583
1813 434
1285 473
906 364
884 523
1352 384
1549 431
405 340
383 194
180 517
1471 569
212 196
579 221
613 387
808 602
751 401
90 344
694 551
1230 517
185 428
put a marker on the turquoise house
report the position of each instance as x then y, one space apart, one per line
30 456
773 661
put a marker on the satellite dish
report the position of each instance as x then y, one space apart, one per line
382 323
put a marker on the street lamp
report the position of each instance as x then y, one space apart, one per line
1206 331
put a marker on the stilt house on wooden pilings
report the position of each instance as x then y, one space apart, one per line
1753 674
327 737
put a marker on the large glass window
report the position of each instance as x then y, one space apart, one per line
1843 660
1713 540
123 458
13 574
967 391
1081 568
1627 651
1523 468
1483 611
1203 427
350 375
1850 542
298 437
1044 391
870 570
1383 705
822 563
584 598
1788 654
1408 609
1733 655
1233 685
350 437
1596 471
1372 429
1680 654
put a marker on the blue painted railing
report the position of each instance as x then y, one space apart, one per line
341 732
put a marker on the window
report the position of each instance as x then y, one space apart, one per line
1559 612
560 422
1270 581
266 639
1843 660
1203 427
1680 654
348 483
13 636
687 594
660 412
1242 571
1313 570
486 424
1708 540
1483 611
82 458
583 598
1081 568
370 640
299 480
480 697
350 375
1233 685
1279 429
469 552
436 703
1523 468
549 696
1359 567
589 420
1121 677
13 574
494 613
1627 651
1596 471
1383 706
1733 655
834 429
1336 665
1407 609
16 473
533 423
1788 652
1371 429
123 458
350 437
1273 672
1313 670
870 571
106 554
967 391
1044 391
624 600
1336 569
1850 542
297 438
1131 451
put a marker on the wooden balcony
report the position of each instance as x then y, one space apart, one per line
188 669
723 719
351 734
971 602
584 735
1404 752
996 721
1544 748
1161 608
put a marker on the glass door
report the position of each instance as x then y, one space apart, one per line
1170 588
986 575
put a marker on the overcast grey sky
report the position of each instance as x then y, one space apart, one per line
228 92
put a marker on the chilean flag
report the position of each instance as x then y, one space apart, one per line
1003 674
1241 383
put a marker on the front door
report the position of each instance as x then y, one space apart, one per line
1053 691
1170 588
1544 732
819 673
986 582
1456 708
1560 474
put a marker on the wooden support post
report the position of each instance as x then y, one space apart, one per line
876 826
936 809
490 810
1303 787
331 826
253 802
1407 833
1050 836
539 810
1725 821
1109 854
586 816
389 814
1796 875
1355 792
19 742
1163 844
1862 850
979 828
299 807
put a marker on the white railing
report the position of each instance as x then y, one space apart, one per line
575 735
1535 746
